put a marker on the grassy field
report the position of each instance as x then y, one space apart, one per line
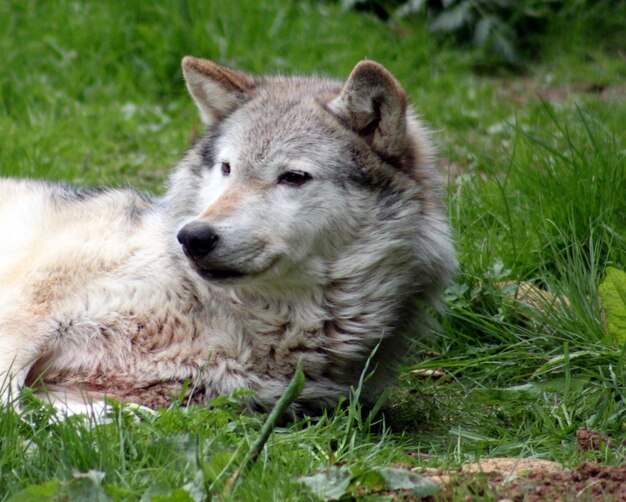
92 93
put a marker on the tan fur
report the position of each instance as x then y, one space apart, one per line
371 94
226 86
225 204
97 296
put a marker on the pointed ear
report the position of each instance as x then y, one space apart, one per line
373 104
216 90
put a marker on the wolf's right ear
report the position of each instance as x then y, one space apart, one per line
373 104
216 90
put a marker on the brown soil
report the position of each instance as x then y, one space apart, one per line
542 482
528 89
587 482
592 440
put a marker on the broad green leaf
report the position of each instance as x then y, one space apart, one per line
38 493
179 495
119 493
401 479
331 484
195 488
83 486
338 482
613 294
369 480
86 486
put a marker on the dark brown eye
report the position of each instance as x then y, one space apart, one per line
225 168
294 178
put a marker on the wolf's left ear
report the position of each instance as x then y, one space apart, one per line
373 104
216 90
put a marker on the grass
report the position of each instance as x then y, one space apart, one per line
92 93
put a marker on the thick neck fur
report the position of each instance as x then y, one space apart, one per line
338 305
333 313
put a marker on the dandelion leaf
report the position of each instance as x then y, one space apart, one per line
613 294
331 484
401 479
47 491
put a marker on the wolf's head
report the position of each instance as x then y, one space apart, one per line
304 179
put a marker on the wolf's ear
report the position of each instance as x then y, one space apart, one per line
216 90
373 104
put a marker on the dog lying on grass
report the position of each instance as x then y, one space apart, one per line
304 226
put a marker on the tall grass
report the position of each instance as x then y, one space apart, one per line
538 367
91 92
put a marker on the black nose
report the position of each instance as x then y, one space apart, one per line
198 239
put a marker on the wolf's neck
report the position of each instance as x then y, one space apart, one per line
358 296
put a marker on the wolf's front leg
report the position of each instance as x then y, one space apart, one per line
20 346
11 378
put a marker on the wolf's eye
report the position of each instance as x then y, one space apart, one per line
294 178
225 168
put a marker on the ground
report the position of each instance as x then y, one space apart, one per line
523 365
531 481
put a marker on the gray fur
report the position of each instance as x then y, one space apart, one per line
96 296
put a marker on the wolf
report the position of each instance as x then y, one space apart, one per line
304 227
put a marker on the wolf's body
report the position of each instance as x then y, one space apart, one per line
311 231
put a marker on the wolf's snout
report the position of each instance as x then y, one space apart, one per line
198 240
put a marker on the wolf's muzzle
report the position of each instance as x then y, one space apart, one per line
198 240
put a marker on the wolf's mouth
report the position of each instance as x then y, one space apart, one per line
229 274
219 275
216 274
211 274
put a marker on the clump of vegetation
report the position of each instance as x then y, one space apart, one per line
504 31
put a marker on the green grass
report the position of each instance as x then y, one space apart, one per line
92 93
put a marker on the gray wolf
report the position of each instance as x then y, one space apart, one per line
305 225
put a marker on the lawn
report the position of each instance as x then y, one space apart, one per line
523 364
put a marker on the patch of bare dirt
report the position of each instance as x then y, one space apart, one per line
592 440
528 88
587 482
529 480
508 466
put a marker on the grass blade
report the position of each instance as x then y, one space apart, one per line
292 391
